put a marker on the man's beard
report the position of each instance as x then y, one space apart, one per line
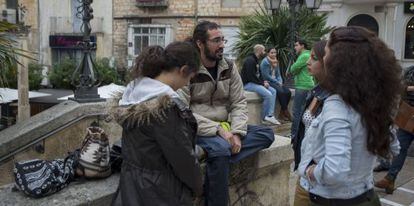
213 56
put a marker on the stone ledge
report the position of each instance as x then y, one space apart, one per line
254 97
28 131
94 192
100 192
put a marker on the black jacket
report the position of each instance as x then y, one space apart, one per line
297 138
251 70
159 164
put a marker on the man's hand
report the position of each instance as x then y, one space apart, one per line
224 134
266 84
235 144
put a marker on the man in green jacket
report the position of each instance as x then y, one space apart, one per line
303 82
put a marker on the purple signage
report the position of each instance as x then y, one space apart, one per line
66 42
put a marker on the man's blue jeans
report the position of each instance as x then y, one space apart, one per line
298 106
268 95
219 157
405 138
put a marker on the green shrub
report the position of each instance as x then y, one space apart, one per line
61 74
274 30
106 74
35 76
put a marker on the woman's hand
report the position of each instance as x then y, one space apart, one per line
309 172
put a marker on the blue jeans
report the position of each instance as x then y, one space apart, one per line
298 103
405 138
219 158
268 95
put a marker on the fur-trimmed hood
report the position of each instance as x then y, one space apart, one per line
144 99
141 113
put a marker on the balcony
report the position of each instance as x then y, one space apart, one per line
152 3
68 25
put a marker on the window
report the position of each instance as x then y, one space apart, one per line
364 20
230 33
11 4
409 40
231 3
144 35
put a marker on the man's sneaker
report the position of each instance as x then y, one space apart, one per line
272 120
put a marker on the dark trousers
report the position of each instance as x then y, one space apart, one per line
405 138
216 191
283 95
299 101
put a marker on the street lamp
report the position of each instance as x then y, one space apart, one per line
272 5
84 78
313 4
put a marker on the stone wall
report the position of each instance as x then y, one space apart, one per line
180 14
58 142
262 179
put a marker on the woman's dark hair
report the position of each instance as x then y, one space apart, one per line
365 73
319 49
154 59
201 29
268 48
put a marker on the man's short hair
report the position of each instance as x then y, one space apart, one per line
257 47
302 42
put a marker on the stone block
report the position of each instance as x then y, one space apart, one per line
254 107
262 179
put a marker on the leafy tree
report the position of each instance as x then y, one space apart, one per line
274 31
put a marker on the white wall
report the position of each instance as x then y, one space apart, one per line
391 20
62 8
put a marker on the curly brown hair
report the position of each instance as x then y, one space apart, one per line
365 73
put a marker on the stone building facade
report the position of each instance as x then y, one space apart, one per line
141 23
25 14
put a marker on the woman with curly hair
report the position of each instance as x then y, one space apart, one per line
341 144
313 108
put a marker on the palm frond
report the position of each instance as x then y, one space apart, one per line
9 50
274 31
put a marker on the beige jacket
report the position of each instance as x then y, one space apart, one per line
213 101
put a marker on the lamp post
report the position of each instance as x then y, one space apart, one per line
84 78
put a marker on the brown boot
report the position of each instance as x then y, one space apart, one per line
386 183
287 115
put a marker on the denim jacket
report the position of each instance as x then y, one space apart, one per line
297 138
337 142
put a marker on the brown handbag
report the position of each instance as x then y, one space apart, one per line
405 117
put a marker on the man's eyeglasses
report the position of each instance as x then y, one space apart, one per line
218 40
